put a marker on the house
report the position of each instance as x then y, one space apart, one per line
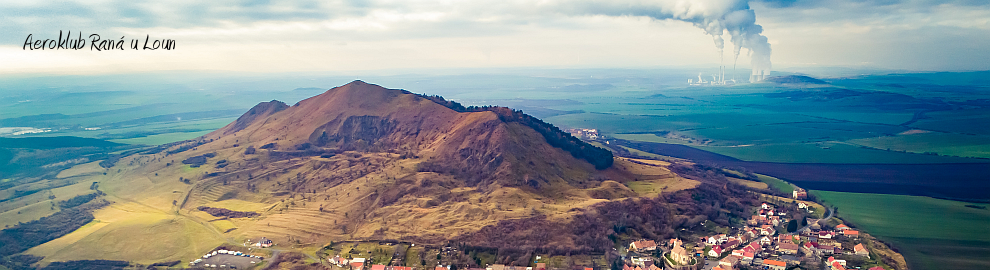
679 255
785 238
832 260
799 194
841 227
765 241
809 248
826 249
775 220
357 263
802 205
825 234
263 243
338 261
859 249
540 266
765 206
787 248
714 239
738 252
748 256
674 242
729 262
752 233
756 246
730 244
643 245
410 268
851 233
775 265
377 267
715 251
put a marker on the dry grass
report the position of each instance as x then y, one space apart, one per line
352 208
132 232
748 183
91 168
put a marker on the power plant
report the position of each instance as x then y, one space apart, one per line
758 75
717 79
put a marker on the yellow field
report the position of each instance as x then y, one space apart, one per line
28 213
82 169
132 232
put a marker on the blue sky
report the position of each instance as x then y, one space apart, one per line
348 35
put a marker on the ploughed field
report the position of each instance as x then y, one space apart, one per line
960 181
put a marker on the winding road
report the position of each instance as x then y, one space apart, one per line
830 212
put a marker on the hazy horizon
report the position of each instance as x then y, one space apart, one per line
301 36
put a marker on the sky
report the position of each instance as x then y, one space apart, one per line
356 35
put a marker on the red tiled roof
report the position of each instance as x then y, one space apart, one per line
851 232
777 263
377 267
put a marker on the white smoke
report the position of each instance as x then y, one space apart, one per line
715 17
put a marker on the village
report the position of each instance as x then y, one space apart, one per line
762 243
781 234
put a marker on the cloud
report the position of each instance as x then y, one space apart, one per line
410 31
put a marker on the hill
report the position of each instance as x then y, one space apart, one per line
795 79
359 162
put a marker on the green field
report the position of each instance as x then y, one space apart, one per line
825 152
950 144
776 183
930 233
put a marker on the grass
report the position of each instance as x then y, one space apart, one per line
827 151
930 233
776 183
27 213
937 142
223 225
648 154
752 184
81 169
132 232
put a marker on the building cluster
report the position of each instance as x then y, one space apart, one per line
757 245
584 133
361 263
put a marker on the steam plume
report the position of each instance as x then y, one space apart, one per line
715 17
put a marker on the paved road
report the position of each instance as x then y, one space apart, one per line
830 212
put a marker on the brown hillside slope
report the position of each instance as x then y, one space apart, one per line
356 162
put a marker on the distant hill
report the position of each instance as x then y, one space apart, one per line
795 79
